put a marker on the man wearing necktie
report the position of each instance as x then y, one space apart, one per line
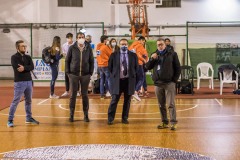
122 65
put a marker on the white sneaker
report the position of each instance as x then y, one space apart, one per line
136 97
54 96
78 94
65 94
108 94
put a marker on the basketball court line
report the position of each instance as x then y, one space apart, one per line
202 117
60 106
218 101
132 104
42 101
92 104
7 152
151 104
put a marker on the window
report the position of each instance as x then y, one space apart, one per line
169 4
70 3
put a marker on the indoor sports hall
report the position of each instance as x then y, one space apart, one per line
40 123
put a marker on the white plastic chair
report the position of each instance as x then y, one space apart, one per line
203 73
227 77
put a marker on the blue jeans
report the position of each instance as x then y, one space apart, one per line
104 79
20 88
54 68
140 75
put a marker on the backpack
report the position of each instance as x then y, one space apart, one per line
185 87
237 91
96 88
46 55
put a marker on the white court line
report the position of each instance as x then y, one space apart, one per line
35 148
148 104
204 117
132 104
218 101
187 108
42 101
60 106
34 116
6 152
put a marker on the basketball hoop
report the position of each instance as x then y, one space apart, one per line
137 13
125 2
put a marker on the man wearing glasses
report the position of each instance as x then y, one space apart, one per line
166 71
79 66
123 66
22 66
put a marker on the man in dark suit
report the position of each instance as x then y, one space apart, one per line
123 66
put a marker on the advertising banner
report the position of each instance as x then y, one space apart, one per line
43 71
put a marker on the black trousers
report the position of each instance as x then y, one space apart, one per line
115 98
74 81
67 82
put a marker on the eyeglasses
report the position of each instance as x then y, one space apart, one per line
24 46
160 44
123 44
80 37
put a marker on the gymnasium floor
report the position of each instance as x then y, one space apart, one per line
209 127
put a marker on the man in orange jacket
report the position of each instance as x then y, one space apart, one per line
103 53
138 48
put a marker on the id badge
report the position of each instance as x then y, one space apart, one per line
122 68
159 67
98 52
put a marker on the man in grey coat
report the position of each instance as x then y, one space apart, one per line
123 66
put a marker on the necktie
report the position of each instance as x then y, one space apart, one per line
124 63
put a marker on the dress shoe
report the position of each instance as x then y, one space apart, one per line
110 122
71 119
86 119
125 121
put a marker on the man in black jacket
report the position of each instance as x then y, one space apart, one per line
168 44
123 66
22 66
79 67
166 71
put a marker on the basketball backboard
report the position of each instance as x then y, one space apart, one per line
115 2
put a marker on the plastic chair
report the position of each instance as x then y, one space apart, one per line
226 76
203 73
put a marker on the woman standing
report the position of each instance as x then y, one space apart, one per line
113 44
56 55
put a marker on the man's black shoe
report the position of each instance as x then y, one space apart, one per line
125 121
110 122
86 119
71 119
